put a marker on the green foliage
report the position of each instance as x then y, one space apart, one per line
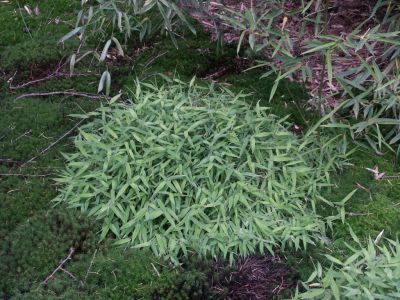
371 272
43 51
112 273
35 248
113 23
181 170
374 206
24 201
289 97
26 228
17 26
371 83
26 128
182 286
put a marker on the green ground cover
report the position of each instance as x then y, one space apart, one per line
34 237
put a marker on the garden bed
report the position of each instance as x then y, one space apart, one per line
36 238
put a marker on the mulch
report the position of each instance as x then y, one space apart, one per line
253 278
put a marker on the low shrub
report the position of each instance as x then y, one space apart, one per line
180 170
112 273
371 272
358 63
180 286
21 199
34 249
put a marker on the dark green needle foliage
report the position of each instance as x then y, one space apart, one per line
34 249
193 169
112 273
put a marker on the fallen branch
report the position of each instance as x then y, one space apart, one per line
358 214
391 177
69 274
51 76
60 266
54 143
24 175
221 72
66 93
7 161
363 188
359 186
21 136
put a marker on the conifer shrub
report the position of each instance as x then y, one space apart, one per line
113 273
34 249
181 169
190 285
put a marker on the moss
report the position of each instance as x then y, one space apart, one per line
32 124
381 214
186 286
27 127
34 248
43 50
28 227
20 200
195 56
113 273
14 19
289 99
374 206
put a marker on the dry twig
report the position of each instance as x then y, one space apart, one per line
155 269
359 186
56 74
358 214
54 143
24 175
88 270
65 93
7 161
69 274
60 267
21 136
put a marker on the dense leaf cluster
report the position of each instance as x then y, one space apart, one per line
181 170
370 272
370 84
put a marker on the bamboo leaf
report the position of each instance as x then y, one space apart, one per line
105 51
70 34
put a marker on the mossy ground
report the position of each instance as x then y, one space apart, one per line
34 237
375 205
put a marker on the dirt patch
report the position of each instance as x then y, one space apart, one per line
36 73
226 67
253 278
